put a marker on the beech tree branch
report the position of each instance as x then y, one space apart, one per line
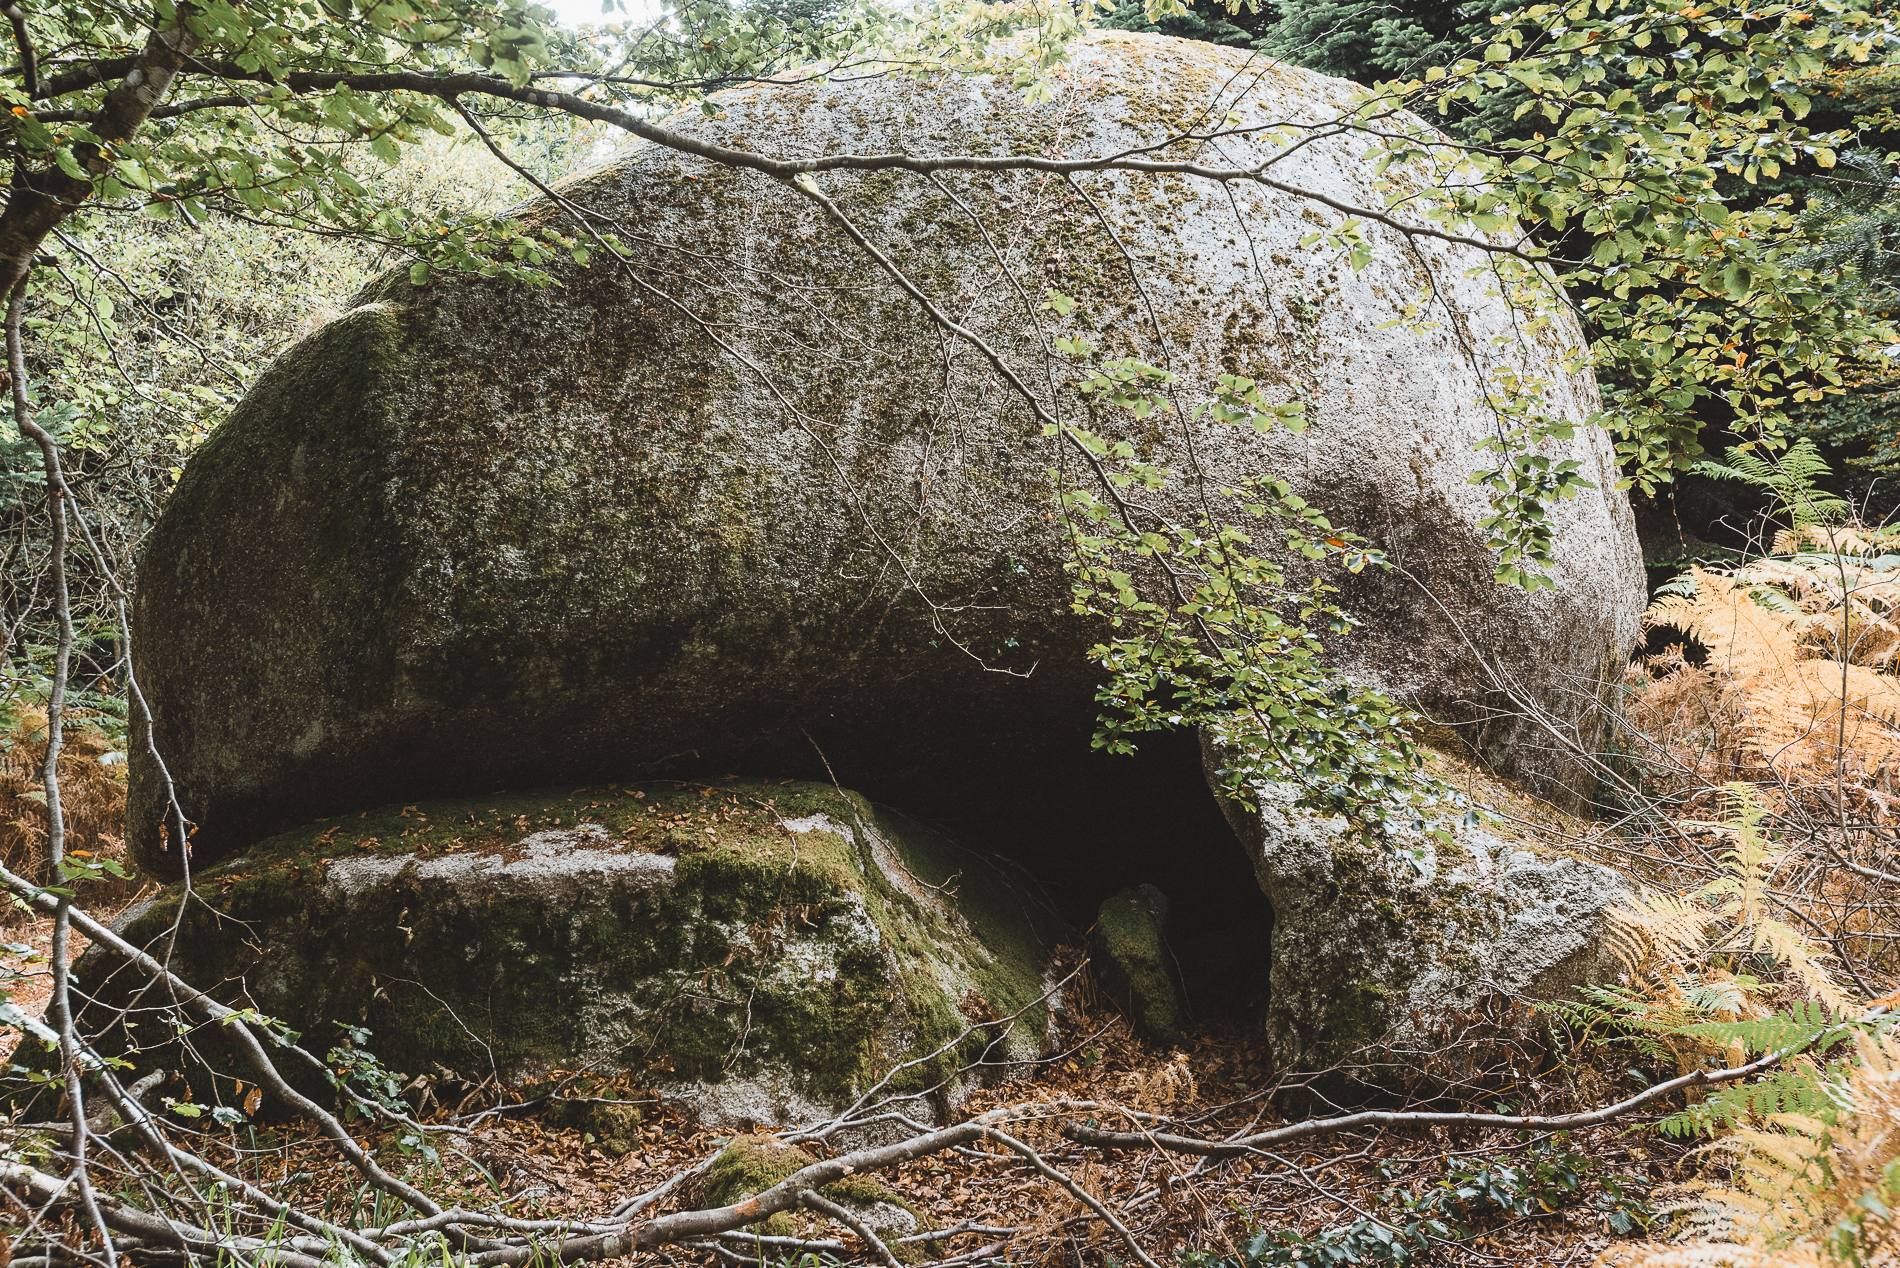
1084 1135
448 87
248 1044
29 56
41 198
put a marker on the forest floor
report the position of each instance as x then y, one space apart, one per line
1572 1192
1448 1198
24 949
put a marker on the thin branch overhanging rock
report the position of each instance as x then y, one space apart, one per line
448 87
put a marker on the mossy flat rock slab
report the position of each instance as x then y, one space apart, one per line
762 949
470 536
1381 957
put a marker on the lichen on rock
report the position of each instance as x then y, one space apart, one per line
472 536
762 950
1383 953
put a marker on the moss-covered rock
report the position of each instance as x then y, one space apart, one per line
1133 964
1381 955
471 536
754 1162
760 948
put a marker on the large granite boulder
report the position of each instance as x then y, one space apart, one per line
1390 952
734 502
763 951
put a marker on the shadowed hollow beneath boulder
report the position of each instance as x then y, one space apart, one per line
762 950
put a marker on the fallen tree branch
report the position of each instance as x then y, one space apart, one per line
30 1183
831 1210
247 1042
101 1115
1085 1135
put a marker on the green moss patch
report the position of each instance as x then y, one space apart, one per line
755 1162
781 932
1134 966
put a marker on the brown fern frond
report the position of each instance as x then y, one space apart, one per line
1796 710
92 795
1805 1191
1842 539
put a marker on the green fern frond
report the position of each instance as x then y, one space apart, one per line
1798 1026
1774 599
1721 995
1682 586
1805 1090
1790 477
1650 1047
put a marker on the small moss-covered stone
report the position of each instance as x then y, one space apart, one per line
749 1166
614 1125
760 948
755 1162
1133 965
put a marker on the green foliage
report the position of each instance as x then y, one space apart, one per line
1643 146
1792 478
1855 215
1638 139
1684 1005
1526 482
1802 1026
368 1087
1372 41
1860 425
1455 1210
26 683
1211 633
1626 1016
1210 21
1631 125
1803 1089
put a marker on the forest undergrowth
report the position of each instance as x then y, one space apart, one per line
1441 1196
1757 770
1751 917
